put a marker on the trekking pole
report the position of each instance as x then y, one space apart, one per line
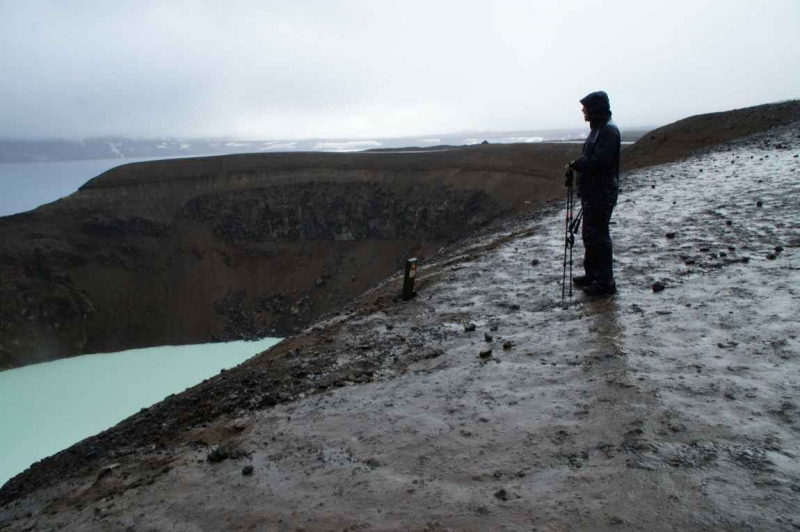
569 239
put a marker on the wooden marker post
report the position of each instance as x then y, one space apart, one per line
408 282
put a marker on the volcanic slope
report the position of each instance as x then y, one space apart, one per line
669 410
242 246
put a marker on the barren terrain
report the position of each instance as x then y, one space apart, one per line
651 410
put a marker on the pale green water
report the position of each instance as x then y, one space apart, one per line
47 407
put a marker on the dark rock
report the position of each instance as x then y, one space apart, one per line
778 249
507 345
745 260
771 256
488 337
218 454
269 400
535 262
501 494
759 203
658 286
728 222
514 307
470 327
670 235
486 353
247 470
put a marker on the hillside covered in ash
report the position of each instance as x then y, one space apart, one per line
487 402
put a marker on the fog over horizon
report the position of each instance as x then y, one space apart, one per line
345 69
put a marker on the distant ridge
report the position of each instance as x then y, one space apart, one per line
677 140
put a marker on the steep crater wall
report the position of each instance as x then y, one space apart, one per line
220 248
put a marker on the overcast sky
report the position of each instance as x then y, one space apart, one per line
367 69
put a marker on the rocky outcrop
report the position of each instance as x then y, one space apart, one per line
219 248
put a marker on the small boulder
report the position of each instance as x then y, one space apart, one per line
658 286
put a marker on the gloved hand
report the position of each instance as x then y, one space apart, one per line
569 174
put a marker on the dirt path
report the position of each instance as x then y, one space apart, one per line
675 410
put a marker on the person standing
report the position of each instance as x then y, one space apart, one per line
598 187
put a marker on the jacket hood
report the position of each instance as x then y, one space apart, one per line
598 105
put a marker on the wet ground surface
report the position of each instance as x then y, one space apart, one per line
669 410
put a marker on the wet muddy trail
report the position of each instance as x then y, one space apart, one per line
669 410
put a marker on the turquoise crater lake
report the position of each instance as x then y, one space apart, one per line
45 408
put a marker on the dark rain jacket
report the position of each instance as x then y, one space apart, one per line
598 164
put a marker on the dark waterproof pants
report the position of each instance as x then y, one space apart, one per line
598 255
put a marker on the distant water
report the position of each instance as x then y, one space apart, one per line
45 408
26 186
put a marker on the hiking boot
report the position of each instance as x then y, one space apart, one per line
600 289
582 280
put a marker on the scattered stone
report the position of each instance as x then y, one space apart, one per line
728 222
107 470
486 353
247 470
218 454
670 235
507 345
535 262
759 203
778 249
494 327
658 286
779 146
488 337
514 307
771 256
745 260
652 186
470 327
269 400
501 494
